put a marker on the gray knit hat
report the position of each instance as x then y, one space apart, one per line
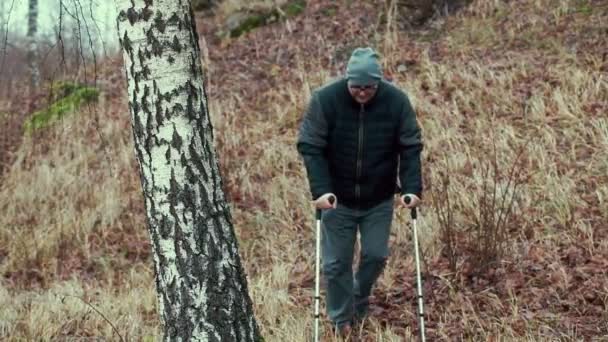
363 67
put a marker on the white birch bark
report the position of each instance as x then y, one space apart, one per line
32 51
201 284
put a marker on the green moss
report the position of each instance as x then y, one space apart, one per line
585 9
294 8
70 97
259 19
62 89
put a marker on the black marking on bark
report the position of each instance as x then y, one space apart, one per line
165 227
214 299
188 24
170 94
126 45
145 72
189 200
185 320
150 136
168 155
171 60
194 31
135 106
132 16
205 111
197 160
141 58
144 100
192 89
158 112
200 233
193 67
190 108
122 16
184 162
208 155
190 176
159 23
155 46
146 13
173 195
174 20
177 109
137 78
175 45
176 139
138 128
172 299
128 48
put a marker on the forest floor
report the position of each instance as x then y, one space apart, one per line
497 86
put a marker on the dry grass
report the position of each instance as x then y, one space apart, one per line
72 227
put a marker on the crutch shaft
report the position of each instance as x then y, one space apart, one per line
418 278
317 274
332 200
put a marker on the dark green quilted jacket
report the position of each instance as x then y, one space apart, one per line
356 151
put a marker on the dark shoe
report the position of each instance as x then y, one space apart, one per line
360 314
346 332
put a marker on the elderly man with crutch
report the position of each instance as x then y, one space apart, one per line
358 136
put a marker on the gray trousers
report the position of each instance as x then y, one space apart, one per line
347 298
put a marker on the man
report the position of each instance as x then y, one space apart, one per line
358 133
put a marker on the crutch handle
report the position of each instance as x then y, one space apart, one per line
332 200
407 199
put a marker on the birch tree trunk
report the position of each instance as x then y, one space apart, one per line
201 284
32 51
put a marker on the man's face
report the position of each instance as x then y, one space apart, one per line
362 93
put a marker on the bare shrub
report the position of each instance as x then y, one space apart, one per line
481 233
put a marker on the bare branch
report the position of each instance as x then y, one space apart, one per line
98 312
103 42
5 44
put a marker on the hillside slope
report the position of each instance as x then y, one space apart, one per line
494 81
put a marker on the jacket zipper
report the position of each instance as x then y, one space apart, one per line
359 154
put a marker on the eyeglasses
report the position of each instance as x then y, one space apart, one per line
363 88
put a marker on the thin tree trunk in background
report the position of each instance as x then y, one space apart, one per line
32 53
2 17
201 284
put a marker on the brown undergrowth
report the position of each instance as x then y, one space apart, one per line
491 77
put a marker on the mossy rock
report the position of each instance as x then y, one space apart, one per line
69 97
240 23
